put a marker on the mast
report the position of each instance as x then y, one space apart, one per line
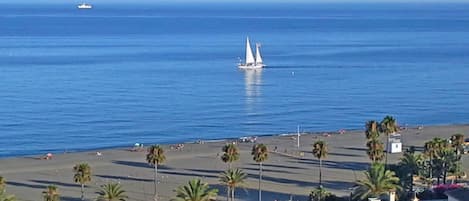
249 55
258 54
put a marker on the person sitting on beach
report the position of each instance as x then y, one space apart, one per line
179 147
135 148
48 156
138 147
254 139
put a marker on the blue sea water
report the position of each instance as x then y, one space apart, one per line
115 75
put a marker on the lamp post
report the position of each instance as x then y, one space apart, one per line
298 136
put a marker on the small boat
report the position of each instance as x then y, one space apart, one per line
84 6
251 62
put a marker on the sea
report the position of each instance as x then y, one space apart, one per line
119 74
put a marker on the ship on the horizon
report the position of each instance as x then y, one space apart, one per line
251 62
84 6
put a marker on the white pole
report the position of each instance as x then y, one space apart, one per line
298 136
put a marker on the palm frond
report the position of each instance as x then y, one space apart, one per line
112 192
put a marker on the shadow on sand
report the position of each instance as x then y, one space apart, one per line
132 164
354 148
57 183
189 174
66 198
268 170
139 164
345 165
249 194
345 154
129 178
26 185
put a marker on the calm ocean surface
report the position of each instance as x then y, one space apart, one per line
115 75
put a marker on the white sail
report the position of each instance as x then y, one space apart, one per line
258 54
251 62
249 55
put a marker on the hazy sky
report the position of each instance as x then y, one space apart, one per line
217 1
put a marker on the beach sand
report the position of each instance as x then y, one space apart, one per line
285 174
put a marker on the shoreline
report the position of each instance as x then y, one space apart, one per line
211 140
66 151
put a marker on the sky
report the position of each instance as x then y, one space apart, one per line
219 1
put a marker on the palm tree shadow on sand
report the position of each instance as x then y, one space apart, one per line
66 198
250 194
139 164
60 184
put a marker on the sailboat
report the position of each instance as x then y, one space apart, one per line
251 62
84 6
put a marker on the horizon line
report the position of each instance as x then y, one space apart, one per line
186 2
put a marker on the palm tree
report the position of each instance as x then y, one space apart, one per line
51 193
372 130
319 194
5 197
3 183
433 149
82 176
111 192
260 154
377 182
232 179
411 164
230 155
375 150
388 126
444 163
457 142
155 157
320 152
195 191
430 151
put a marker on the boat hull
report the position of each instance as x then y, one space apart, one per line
251 66
85 6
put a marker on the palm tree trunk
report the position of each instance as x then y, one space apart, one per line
411 182
431 170
260 181
320 172
387 152
82 191
233 194
156 182
228 197
445 173
228 189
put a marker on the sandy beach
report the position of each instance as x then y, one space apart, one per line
285 173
